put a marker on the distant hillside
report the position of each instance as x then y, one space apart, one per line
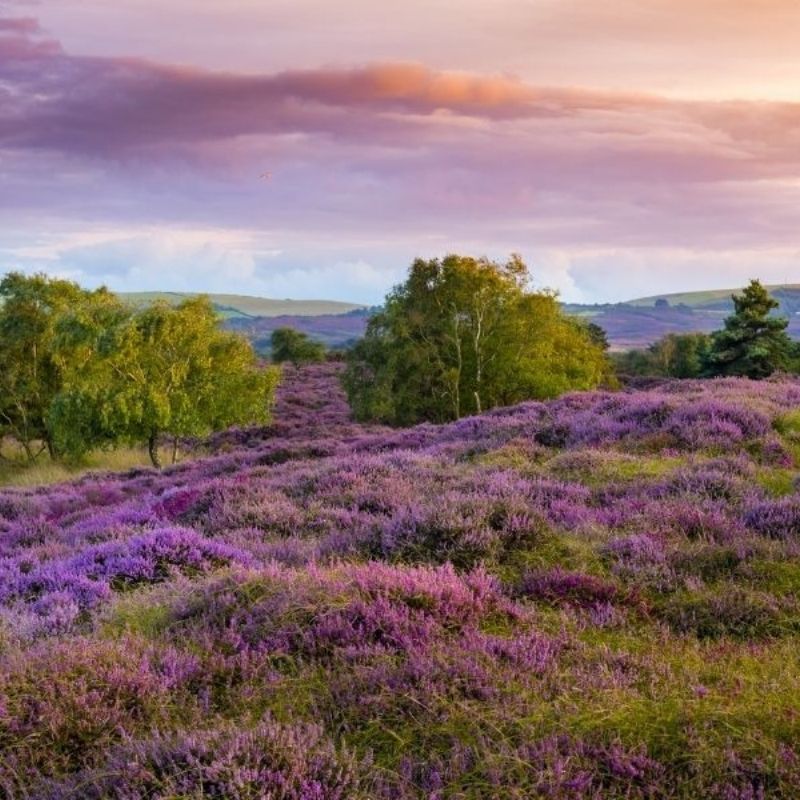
243 306
716 298
333 330
635 323
640 322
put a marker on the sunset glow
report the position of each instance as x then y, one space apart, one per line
624 148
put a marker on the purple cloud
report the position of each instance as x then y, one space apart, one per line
381 159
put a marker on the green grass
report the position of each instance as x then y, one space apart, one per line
777 482
699 299
788 425
234 305
782 578
609 466
16 471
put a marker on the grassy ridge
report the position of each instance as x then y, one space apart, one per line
234 305
707 298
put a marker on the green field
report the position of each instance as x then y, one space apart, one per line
709 297
235 305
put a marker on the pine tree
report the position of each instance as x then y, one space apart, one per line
753 343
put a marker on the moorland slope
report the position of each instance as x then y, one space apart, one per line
592 597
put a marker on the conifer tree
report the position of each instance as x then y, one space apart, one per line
754 342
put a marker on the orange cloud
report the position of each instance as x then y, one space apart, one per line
395 144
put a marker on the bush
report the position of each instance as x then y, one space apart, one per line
288 344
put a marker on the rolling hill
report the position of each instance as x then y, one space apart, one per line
245 306
632 324
640 322
714 298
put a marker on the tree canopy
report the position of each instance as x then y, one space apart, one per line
81 370
676 355
462 335
289 344
31 370
753 342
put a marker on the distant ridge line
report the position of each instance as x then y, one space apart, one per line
704 296
248 306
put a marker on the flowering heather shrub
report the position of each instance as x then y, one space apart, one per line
335 605
65 704
576 589
59 590
713 423
590 597
556 767
779 519
641 560
270 760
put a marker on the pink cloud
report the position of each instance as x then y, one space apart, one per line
389 153
20 25
113 105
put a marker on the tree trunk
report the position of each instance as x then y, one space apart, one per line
51 450
152 449
174 449
26 446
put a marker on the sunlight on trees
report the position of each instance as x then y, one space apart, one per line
80 370
463 335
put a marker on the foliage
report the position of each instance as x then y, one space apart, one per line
676 355
597 334
31 371
462 335
160 371
753 343
80 370
289 344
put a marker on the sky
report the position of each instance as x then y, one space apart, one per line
312 149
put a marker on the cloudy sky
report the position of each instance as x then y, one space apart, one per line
624 147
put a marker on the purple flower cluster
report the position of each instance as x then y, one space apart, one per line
320 609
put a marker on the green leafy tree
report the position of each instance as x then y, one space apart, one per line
753 343
462 335
31 373
289 344
597 334
161 372
676 355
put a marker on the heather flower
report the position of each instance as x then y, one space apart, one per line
778 519
269 760
511 605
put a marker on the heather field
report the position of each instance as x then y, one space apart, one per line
594 597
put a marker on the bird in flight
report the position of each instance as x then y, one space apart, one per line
265 176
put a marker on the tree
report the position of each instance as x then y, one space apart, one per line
676 355
462 335
597 334
31 374
753 342
162 371
289 344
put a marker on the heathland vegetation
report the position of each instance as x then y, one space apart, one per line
582 596
595 596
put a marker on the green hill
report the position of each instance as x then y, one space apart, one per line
711 298
636 323
243 306
640 322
